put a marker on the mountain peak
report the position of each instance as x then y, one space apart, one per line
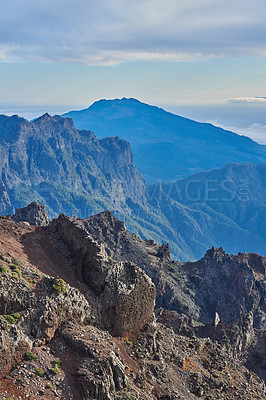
115 102
166 146
47 119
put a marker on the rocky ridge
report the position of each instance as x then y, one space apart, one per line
98 338
34 214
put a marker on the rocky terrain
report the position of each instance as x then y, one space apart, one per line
89 311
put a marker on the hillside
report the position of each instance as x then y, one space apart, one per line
235 192
88 328
166 147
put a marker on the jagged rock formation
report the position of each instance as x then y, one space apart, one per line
198 289
48 160
219 280
37 315
111 345
127 295
34 214
120 245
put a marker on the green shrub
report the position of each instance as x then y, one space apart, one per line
57 362
59 286
139 354
12 319
39 372
55 370
48 386
29 356
3 269
15 270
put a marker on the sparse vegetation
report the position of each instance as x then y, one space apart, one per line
139 354
55 370
3 269
59 286
15 270
16 261
39 371
58 362
29 356
12 319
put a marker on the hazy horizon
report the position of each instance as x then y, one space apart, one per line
246 119
203 60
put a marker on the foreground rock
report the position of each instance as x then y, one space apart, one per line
97 338
126 293
34 214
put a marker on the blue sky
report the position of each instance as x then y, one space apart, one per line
205 59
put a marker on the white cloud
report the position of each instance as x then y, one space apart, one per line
256 132
247 100
109 32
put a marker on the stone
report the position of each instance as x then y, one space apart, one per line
34 214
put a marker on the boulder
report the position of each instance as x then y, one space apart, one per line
126 293
34 214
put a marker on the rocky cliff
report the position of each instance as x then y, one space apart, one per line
127 295
77 316
49 160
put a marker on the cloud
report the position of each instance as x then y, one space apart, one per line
256 132
247 100
110 32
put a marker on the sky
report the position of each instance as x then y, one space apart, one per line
204 59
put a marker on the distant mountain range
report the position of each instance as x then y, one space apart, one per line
166 147
233 197
71 171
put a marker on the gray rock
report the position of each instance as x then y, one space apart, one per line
126 293
34 214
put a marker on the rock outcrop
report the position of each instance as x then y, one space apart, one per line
49 160
126 293
94 336
227 288
34 214
5 203
32 308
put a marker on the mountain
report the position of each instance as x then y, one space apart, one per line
50 160
166 147
72 172
235 194
78 318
